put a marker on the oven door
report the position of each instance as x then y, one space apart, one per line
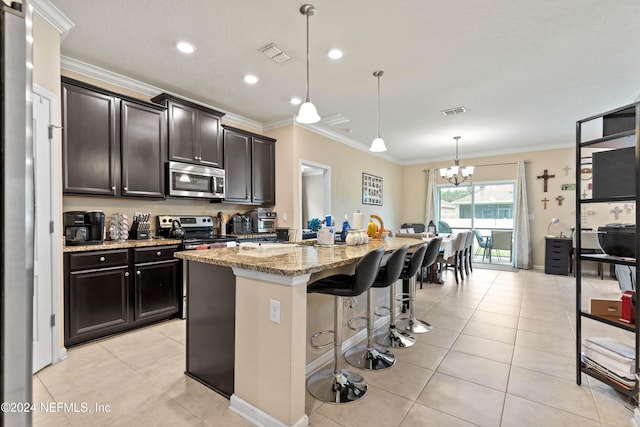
267 225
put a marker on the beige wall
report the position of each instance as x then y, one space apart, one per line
413 201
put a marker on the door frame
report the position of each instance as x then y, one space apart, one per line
58 351
326 188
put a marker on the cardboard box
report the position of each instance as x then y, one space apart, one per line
605 307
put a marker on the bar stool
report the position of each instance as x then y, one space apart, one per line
411 324
395 336
430 258
339 385
368 356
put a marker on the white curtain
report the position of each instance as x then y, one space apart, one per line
522 236
430 208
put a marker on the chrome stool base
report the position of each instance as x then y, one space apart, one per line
414 326
346 387
372 359
394 339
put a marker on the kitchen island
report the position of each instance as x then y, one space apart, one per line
270 302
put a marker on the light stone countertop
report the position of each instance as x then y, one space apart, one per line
296 260
111 244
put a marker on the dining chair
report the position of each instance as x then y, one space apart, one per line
501 240
484 243
455 259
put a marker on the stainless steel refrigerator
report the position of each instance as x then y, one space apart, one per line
16 212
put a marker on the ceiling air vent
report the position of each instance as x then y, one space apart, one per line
453 111
335 119
275 53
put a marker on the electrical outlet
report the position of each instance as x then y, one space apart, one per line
274 311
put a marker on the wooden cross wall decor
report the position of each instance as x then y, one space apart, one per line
560 198
545 200
546 177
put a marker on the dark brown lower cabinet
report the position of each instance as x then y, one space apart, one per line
98 303
100 297
156 290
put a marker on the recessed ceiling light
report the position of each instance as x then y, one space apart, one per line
335 53
250 79
185 47
296 101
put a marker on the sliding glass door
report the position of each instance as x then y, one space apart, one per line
486 207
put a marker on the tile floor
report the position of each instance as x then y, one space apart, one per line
501 354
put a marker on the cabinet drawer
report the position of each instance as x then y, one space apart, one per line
98 259
155 253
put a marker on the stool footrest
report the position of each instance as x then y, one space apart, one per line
386 311
356 328
317 335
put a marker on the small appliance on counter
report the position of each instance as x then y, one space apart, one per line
241 224
264 221
83 228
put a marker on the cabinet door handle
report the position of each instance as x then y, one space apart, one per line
102 259
126 189
159 253
113 188
138 272
126 274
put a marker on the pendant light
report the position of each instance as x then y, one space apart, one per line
455 174
378 143
307 113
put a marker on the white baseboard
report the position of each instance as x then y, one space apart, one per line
258 417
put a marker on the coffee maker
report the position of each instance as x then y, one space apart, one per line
83 228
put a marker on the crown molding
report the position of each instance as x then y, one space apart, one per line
331 134
52 15
474 155
107 76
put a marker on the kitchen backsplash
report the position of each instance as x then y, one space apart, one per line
155 207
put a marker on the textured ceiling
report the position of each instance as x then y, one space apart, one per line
525 70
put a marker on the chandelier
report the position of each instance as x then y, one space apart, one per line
455 174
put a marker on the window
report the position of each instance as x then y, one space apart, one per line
483 206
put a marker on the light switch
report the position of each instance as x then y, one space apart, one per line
284 216
274 311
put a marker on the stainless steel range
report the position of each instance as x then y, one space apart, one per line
198 231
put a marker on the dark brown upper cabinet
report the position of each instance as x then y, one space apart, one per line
249 167
111 145
194 132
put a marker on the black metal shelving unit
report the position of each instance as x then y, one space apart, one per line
624 138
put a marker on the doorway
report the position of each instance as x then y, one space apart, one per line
315 191
47 243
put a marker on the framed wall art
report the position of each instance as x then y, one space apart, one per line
371 189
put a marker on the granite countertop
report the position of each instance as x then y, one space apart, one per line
292 259
111 244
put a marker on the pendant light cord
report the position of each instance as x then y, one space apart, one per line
378 105
308 99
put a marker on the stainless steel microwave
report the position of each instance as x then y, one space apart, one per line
186 180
